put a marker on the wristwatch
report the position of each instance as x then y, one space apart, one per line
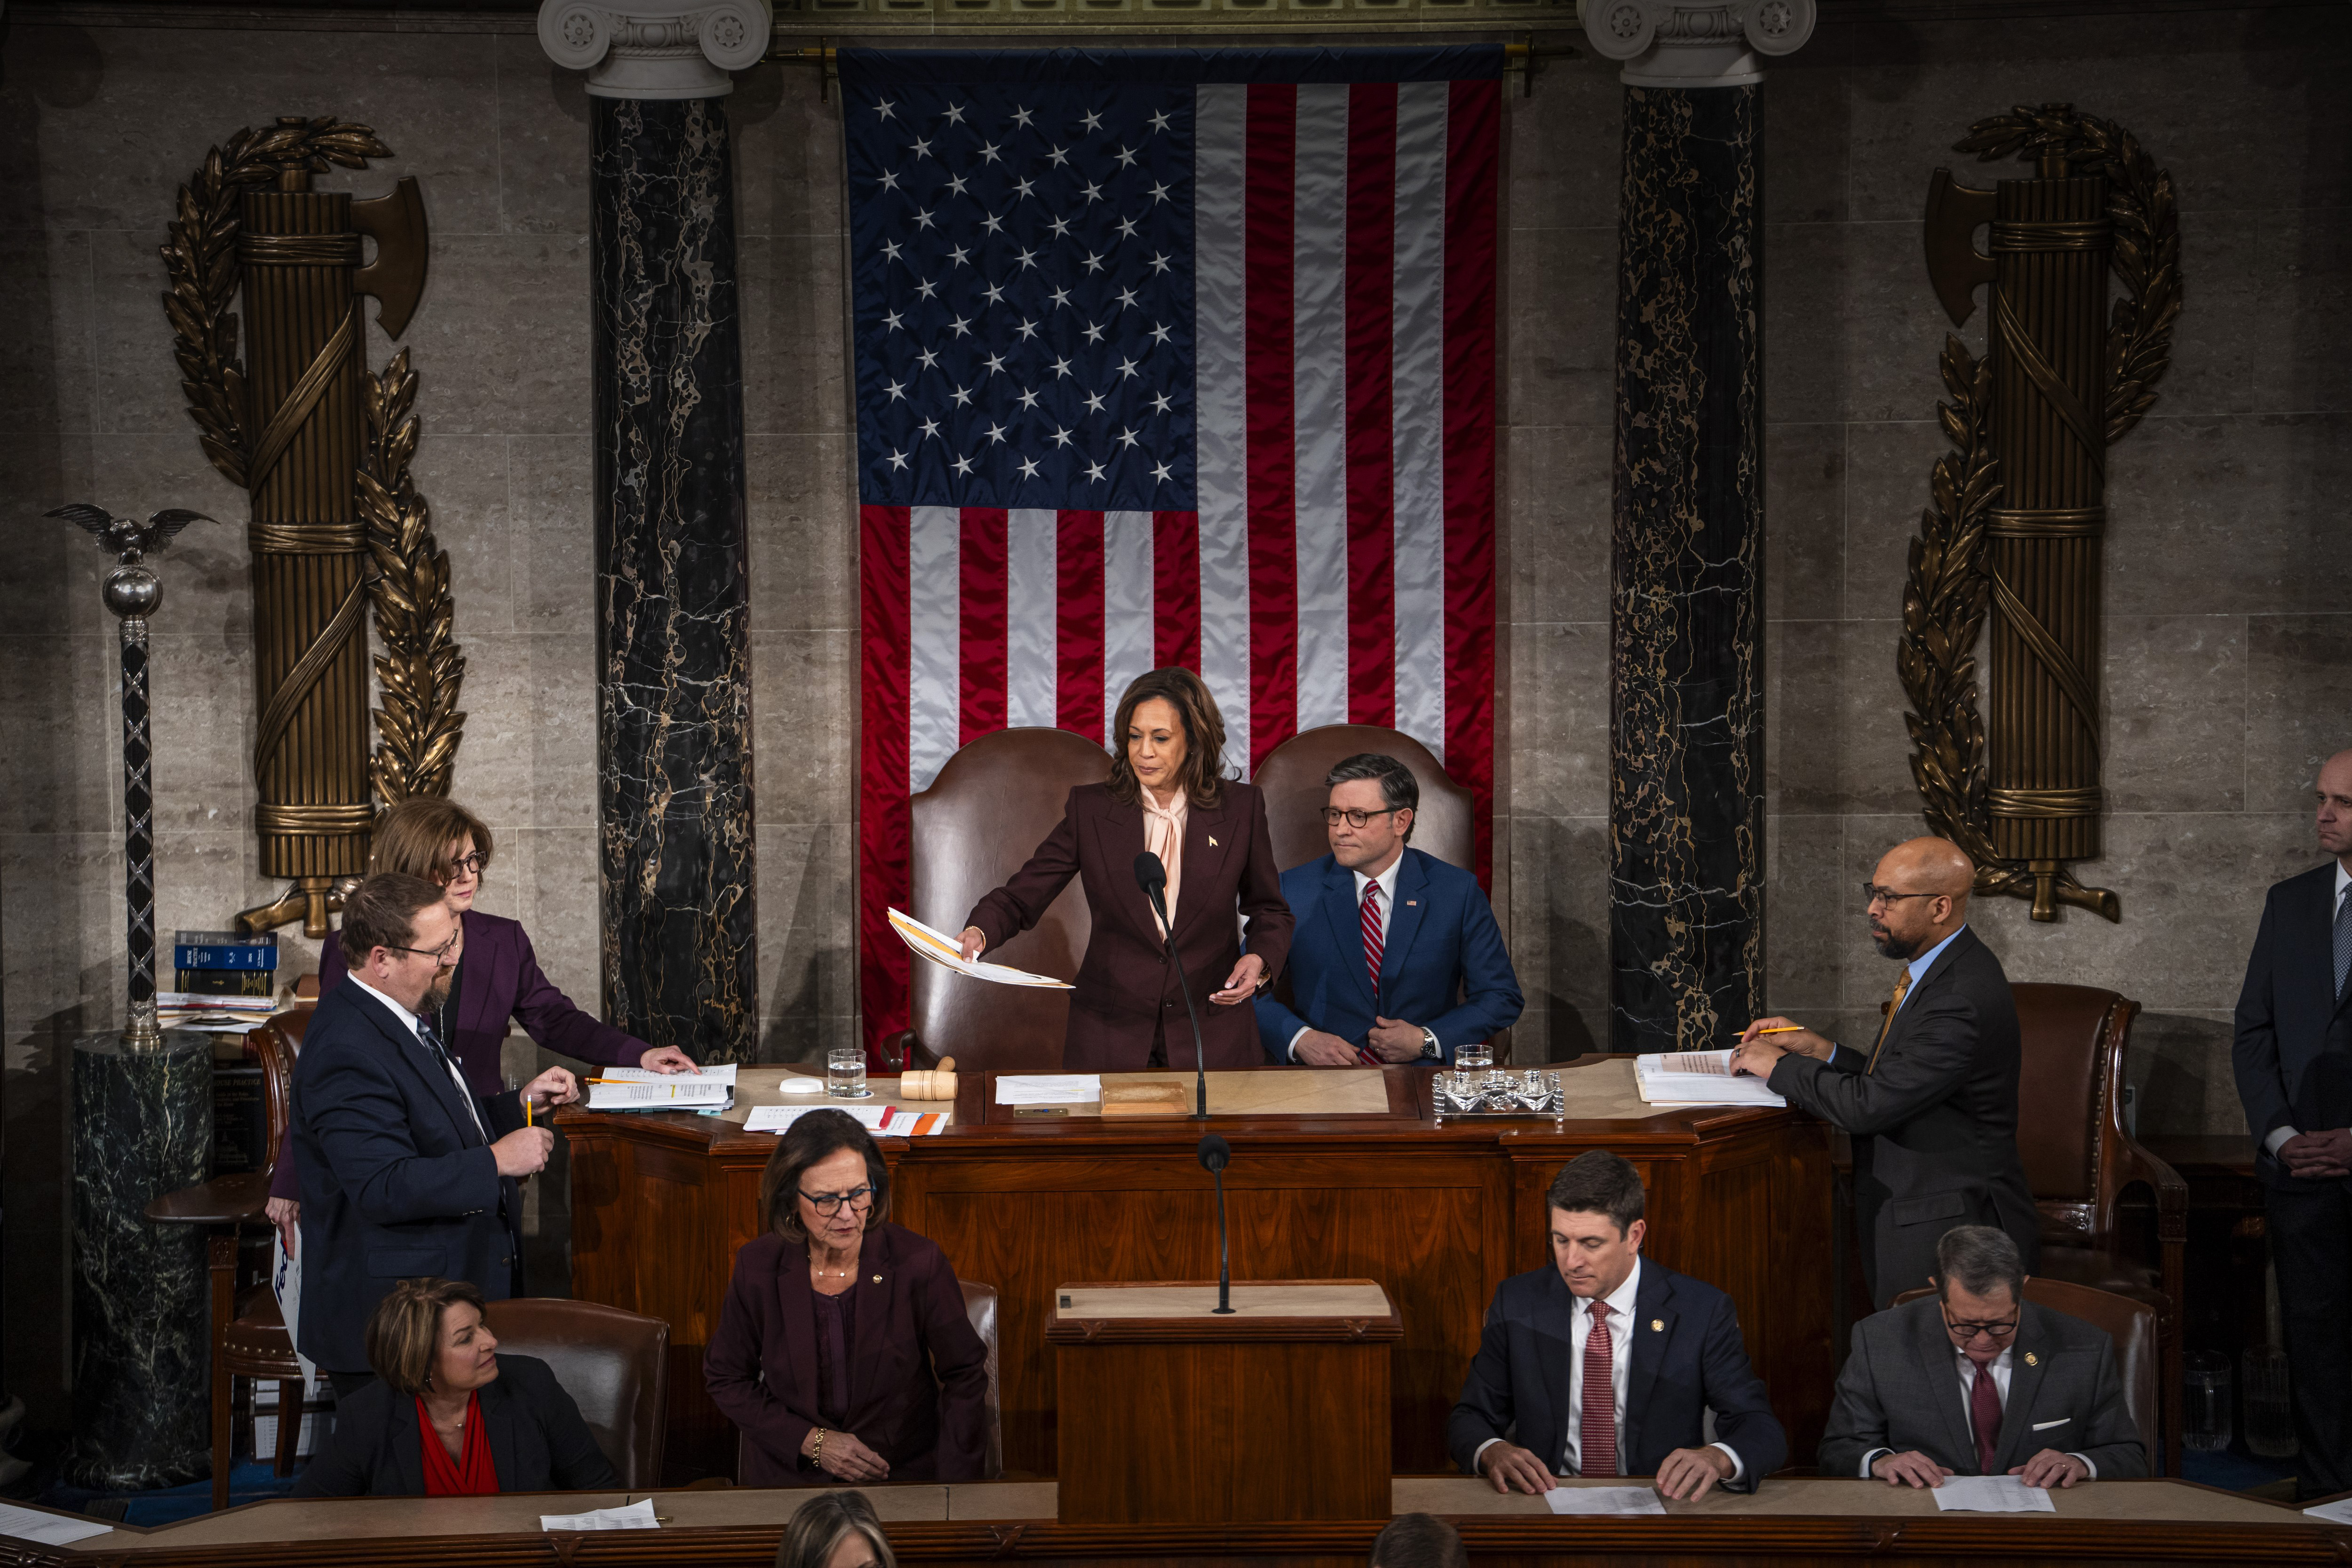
1430 1051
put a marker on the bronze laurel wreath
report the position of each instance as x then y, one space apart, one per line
1945 591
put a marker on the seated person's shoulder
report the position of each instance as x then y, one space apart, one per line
1520 1295
526 1375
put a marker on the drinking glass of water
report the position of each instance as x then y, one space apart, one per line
1475 1057
844 1072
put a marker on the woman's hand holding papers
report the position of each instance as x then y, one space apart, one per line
974 940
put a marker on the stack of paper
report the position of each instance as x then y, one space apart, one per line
1057 1088
679 1091
208 1014
1993 1494
636 1516
882 1121
1604 1499
948 953
723 1073
1697 1078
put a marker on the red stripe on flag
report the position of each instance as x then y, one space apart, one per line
882 872
1176 589
1269 221
1372 424
981 673
1473 129
1078 624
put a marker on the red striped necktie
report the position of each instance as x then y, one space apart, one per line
1596 1445
1374 943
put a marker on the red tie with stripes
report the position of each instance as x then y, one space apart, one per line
1596 1445
1374 943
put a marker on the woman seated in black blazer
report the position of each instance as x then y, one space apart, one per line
842 1348
449 1416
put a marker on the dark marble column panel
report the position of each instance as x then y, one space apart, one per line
1686 748
143 1350
674 668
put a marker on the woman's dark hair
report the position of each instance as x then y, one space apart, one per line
812 1138
404 1332
820 1525
1419 1540
1202 775
380 911
1598 1182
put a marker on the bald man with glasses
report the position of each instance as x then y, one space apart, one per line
1931 1102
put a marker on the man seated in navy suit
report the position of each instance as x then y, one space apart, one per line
1606 1363
1396 956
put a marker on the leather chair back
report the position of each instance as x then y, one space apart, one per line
274 1045
2069 1097
991 806
614 1364
2130 1323
1292 777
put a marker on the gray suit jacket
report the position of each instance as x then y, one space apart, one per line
1901 1390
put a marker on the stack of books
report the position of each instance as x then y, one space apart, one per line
227 980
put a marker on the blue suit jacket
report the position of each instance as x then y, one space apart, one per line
1688 1358
1443 944
2293 1053
397 1182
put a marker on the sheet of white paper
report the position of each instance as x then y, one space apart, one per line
948 953
777 1118
1059 1088
49 1528
679 1090
723 1073
636 1516
1993 1494
1604 1499
205 1025
2332 1512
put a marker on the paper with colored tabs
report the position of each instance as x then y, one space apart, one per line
948 953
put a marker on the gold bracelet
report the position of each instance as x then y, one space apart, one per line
816 1455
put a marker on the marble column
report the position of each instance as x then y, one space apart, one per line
1686 549
673 646
143 1123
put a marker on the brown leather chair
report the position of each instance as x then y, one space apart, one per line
989 808
1292 777
980 1306
249 1338
2083 1167
2125 1320
614 1364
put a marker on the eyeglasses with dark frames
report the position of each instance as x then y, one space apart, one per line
1332 814
1872 893
466 865
830 1203
1966 1330
437 954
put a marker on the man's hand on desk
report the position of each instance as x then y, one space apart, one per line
1514 1469
2319 1155
1912 1466
1758 1050
1394 1040
668 1059
1689 1474
1317 1049
2051 1468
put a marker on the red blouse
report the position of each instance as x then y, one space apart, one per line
472 1474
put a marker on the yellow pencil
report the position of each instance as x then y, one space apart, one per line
526 1110
1779 1029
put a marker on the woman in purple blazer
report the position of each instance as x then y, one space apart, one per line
498 977
843 1349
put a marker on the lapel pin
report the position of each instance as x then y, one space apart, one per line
1213 842
1657 1325
2030 1360
1412 903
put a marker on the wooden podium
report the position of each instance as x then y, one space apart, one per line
1170 1414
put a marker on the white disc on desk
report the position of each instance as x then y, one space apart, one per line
802 1086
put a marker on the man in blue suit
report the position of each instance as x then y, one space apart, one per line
404 1173
1375 905
2293 1059
1606 1363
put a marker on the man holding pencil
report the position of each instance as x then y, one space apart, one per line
1931 1104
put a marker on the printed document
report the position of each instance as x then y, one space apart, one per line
948 953
1993 1494
1697 1078
1604 1499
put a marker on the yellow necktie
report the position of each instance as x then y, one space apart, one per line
1901 985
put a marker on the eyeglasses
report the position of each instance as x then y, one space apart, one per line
1872 893
437 954
1331 815
830 1203
466 865
1969 1330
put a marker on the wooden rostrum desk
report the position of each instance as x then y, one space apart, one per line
1792 1521
1336 1175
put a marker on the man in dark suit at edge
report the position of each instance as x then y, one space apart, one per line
2293 1055
405 1173
1607 1363
1932 1105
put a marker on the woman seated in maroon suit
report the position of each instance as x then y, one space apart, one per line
498 976
1168 794
843 1349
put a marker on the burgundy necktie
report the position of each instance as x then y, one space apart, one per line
1597 1429
1374 943
1984 1415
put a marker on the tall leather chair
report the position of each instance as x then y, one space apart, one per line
1292 779
2083 1164
614 1364
980 1302
989 808
2128 1322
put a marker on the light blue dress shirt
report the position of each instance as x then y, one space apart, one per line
1919 967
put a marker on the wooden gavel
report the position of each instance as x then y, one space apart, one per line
936 1084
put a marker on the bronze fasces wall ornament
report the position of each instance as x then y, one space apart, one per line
2082 277
323 449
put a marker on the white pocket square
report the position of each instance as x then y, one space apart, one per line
2045 1425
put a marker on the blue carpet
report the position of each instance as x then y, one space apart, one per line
169 1505
2231 1470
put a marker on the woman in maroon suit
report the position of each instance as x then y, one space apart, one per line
498 978
842 1348
1167 795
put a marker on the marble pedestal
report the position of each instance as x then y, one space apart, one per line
142 1126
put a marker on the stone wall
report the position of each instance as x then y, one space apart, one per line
2229 631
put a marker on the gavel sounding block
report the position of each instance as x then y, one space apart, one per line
1143 1100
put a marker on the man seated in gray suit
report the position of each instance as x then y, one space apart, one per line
1977 1381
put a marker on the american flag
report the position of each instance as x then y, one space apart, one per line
1168 357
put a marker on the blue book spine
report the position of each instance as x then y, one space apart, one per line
245 955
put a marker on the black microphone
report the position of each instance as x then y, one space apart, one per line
1215 1154
1152 878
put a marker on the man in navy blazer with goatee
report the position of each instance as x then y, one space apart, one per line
1607 1363
404 1173
1375 903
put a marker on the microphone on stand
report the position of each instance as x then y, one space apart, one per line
1152 878
1215 1154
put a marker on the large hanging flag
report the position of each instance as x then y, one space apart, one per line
1168 357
